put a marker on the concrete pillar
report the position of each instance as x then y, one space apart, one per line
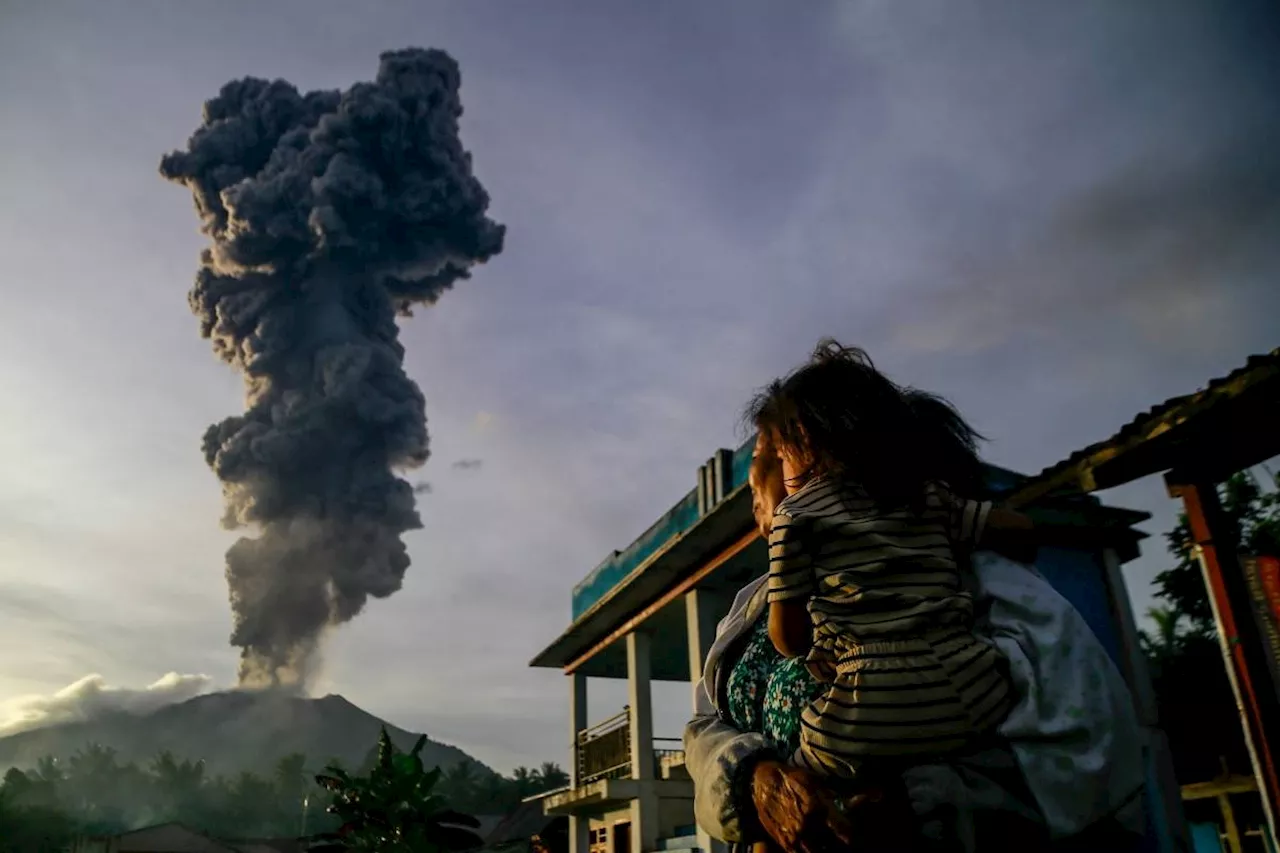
644 808
579 827
702 613
577 720
641 704
644 823
723 472
579 834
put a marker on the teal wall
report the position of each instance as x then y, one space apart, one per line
673 522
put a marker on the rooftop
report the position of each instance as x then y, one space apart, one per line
1224 427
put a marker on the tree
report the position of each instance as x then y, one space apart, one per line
178 786
551 776
525 782
31 827
1196 704
459 784
93 791
1254 514
394 809
292 785
96 788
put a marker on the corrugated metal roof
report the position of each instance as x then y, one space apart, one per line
1162 417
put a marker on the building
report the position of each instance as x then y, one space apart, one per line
165 838
527 828
649 613
176 838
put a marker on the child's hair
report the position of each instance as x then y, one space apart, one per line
841 416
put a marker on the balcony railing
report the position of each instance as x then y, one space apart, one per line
604 750
671 748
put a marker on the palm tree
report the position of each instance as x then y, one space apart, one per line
292 788
94 785
178 785
251 804
525 781
552 776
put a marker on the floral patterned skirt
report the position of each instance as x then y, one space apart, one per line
767 692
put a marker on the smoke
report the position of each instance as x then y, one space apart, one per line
329 214
91 696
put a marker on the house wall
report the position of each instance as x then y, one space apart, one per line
1081 578
610 821
674 816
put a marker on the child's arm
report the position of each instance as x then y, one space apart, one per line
790 627
980 525
1009 533
791 584
1018 537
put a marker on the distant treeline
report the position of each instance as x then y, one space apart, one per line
94 792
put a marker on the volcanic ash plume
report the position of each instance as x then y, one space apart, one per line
329 214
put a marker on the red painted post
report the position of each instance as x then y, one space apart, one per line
1255 694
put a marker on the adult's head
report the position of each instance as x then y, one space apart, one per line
838 415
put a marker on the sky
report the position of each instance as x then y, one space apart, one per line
1056 215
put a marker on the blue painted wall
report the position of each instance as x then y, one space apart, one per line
1081 579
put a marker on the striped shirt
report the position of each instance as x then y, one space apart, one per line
870 573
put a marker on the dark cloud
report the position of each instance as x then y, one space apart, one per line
330 212
1159 247
468 464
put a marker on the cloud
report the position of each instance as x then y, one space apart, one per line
467 464
91 696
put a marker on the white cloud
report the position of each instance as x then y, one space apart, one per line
92 696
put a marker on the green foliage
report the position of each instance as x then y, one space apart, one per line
32 829
94 792
1196 705
1254 513
395 809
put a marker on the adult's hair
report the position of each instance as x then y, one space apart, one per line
840 416
765 462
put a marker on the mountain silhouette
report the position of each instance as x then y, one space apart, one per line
231 731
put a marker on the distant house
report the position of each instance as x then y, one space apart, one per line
517 831
488 823
165 838
176 838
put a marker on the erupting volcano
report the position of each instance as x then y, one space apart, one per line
330 213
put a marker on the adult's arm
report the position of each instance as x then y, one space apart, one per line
721 760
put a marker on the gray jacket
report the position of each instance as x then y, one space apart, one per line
999 782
